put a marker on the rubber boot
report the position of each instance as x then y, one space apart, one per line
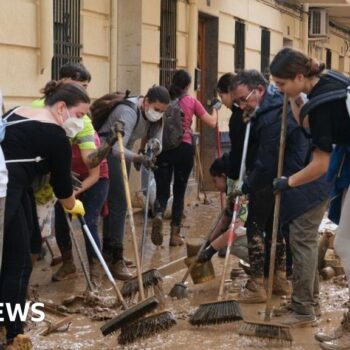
67 268
281 285
175 238
157 229
338 333
118 266
253 292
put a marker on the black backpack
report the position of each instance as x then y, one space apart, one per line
173 129
340 94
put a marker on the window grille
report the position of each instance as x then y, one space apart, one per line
66 17
265 53
167 42
239 45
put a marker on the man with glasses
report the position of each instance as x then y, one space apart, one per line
262 103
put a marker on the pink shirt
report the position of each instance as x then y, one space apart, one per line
190 106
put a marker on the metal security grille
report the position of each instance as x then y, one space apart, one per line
239 45
167 42
265 53
66 16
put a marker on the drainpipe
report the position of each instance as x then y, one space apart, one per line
306 28
113 46
192 39
45 35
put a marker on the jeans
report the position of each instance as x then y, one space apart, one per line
179 162
114 222
93 200
303 239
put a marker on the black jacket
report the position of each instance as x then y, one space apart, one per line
262 159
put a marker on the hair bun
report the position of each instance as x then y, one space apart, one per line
315 67
51 87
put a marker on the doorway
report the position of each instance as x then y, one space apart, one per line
208 42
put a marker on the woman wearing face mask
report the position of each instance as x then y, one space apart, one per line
329 124
141 117
178 161
42 135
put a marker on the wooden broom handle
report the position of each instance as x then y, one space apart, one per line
130 212
276 210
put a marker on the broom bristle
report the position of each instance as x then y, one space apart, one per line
217 313
146 327
150 278
268 331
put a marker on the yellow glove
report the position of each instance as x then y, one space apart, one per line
78 209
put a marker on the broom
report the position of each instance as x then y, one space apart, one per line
130 314
151 277
223 311
263 330
151 325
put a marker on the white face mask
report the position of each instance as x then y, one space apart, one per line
72 125
152 115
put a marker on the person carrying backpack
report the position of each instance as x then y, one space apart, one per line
38 133
329 124
178 161
142 117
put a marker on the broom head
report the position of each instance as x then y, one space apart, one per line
146 327
216 313
179 291
149 278
268 331
130 315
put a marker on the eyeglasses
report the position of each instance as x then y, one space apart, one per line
243 100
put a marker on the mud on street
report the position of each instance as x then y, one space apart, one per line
84 333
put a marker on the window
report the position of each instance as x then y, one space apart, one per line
328 58
66 18
239 45
265 53
167 42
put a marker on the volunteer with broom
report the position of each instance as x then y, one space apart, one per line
178 162
42 135
142 117
329 124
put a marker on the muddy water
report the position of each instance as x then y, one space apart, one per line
85 334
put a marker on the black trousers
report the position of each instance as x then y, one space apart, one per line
178 163
259 233
16 263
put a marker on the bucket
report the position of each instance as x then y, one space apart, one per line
201 272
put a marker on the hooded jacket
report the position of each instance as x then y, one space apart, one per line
262 158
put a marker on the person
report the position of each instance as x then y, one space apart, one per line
328 124
142 117
219 170
94 186
42 138
178 162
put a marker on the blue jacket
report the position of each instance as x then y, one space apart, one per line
262 159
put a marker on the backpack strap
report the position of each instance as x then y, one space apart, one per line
328 96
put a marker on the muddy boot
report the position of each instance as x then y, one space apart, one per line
21 342
295 320
175 238
118 267
157 229
253 292
281 285
67 268
96 272
338 332
341 343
